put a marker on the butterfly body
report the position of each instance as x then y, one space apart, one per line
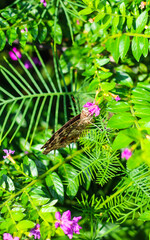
69 132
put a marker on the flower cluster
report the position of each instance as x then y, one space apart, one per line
66 224
28 64
8 236
126 153
8 152
35 232
44 2
14 54
92 108
22 30
117 98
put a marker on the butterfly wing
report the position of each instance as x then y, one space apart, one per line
69 132
63 136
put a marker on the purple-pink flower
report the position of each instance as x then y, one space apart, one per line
92 108
44 2
117 98
13 52
8 236
28 64
126 153
78 23
22 30
8 152
66 224
35 232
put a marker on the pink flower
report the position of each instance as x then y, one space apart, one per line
35 232
12 54
126 153
7 236
28 64
78 23
44 2
92 108
8 152
117 98
22 30
66 224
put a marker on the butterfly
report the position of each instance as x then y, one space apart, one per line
69 132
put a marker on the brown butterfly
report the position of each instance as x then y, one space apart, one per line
69 132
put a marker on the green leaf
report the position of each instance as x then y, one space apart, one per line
2 40
122 8
18 216
58 33
103 61
141 21
145 123
3 23
136 50
144 46
99 17
11 35
124 79
115 49
7 183
97 2
85 11
30 167
42 32
69 173
104 75
145 216
121 120
22 37
94 84
133 133
121 141
115 21
117 107
107 86
33 29
25 224
129 21
144 112
106 21
48 208
39 200
135 160
141 93
124 45
55 186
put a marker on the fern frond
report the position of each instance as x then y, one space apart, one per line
139 187
98 161
31 97
131 198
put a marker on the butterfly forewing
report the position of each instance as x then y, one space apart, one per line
68 133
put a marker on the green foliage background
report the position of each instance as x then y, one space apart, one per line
88 50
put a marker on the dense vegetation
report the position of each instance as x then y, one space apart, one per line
57 56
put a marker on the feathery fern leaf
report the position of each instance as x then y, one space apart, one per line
29 97
98 161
